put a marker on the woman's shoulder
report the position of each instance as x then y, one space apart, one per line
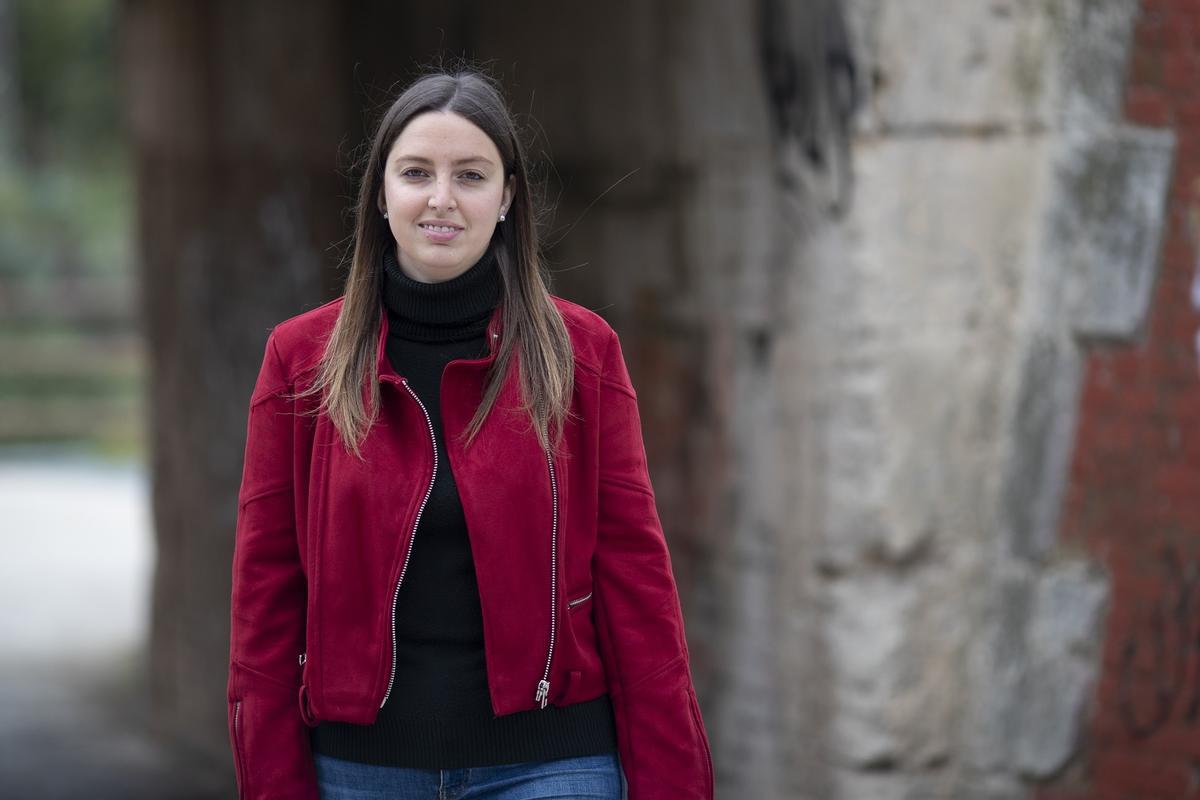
591 335
300 340
319 319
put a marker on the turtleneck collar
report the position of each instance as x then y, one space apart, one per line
449 311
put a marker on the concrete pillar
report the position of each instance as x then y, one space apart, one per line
236 115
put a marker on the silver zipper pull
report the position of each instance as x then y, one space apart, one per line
543 692
302 659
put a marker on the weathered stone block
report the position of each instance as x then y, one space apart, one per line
1038 446
929 298
979 67
866 630
960 65
1106 224
1063 650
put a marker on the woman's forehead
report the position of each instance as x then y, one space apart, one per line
443 136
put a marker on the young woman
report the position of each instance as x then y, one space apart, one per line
450 579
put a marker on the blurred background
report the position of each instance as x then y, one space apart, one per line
909 289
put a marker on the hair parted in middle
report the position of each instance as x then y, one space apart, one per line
533 330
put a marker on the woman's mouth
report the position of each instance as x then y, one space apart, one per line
439 233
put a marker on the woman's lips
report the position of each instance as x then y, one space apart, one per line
440 233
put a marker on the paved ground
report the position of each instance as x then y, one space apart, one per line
80 731
75 561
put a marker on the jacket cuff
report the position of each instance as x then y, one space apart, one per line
271 751
660 735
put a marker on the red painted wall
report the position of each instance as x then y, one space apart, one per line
1133 500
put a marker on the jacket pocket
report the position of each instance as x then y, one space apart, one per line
578 601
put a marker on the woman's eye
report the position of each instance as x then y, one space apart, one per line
473 176
413 172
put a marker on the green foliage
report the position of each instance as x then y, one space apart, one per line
66 205
65 187
67 82
61 219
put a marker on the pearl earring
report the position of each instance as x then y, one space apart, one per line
385 215
502 218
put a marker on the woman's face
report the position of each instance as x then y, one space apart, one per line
444 191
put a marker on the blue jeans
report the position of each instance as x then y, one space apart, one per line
590 777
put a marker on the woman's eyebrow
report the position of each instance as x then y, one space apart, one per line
457 162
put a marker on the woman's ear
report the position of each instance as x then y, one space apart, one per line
510 190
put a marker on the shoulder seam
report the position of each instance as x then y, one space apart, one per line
618 387
607 381
282 381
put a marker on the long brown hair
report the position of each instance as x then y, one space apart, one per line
533 330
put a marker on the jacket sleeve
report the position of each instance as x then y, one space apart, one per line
660 734
270 742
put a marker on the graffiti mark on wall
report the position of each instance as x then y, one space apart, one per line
1161 650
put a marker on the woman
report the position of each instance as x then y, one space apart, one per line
450 579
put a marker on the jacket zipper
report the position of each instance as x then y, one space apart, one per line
579 600
411 539
543 688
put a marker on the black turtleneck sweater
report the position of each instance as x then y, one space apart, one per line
439 714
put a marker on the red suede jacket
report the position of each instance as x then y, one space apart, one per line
575 581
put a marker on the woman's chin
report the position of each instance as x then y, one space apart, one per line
435 269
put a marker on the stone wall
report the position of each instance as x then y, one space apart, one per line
1005 217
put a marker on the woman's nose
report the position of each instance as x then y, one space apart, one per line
443 196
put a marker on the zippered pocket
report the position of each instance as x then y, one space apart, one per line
238 756
578 601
